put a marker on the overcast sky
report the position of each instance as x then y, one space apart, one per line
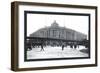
37 21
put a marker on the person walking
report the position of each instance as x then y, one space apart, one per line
42 49
62 47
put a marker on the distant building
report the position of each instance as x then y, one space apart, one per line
56 32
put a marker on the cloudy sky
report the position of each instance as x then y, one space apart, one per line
37 21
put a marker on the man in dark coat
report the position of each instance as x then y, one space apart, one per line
42 49
62 47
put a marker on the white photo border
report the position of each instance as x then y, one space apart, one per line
23 64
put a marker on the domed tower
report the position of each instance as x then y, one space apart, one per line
54 24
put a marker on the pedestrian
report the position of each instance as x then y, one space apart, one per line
75 46
42 49
71 45
62 47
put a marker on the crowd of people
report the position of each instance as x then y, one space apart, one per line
62 45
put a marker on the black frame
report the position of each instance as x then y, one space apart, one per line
53 13
15 29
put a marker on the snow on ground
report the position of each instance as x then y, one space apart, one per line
55 52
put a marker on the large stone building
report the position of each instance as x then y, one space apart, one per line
56 32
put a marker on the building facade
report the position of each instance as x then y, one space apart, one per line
56 32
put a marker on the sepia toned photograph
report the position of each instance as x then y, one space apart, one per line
56 36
